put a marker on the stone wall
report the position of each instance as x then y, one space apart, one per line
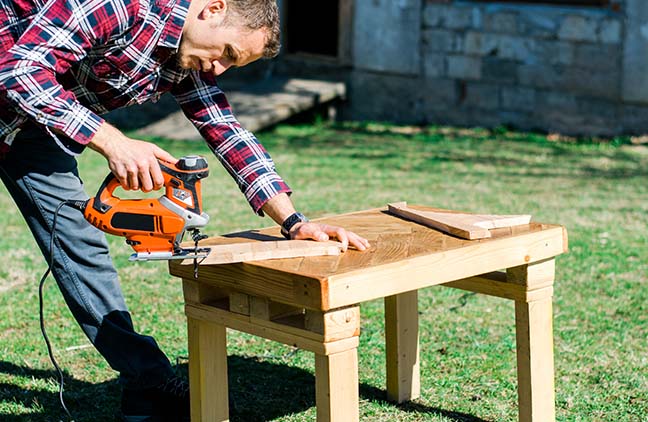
573 70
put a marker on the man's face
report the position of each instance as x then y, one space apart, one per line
210 45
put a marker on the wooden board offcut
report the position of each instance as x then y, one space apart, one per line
466 226
274 249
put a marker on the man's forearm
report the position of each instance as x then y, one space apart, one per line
243 156
133 162
105 138
279 208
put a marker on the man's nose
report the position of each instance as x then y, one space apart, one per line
220 68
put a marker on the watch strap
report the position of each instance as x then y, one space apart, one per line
290 222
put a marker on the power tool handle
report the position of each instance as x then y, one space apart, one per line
186 173
109 185
104 193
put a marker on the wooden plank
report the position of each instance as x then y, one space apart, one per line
336 387
402 347
258 251
447 224
290 324
208 371
466 226
281 286
291 336
496 284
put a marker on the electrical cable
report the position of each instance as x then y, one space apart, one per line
74 204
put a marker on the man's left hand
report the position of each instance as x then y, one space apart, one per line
323 232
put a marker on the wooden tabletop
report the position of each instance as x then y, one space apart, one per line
403 256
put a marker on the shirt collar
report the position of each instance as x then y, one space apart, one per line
172 31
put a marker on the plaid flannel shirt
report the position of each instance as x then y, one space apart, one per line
63 63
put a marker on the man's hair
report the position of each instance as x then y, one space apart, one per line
259 14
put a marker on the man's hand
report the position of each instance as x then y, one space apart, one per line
323 232
280 207
134 163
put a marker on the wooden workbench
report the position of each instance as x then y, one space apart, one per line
313 303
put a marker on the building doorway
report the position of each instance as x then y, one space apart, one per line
318 30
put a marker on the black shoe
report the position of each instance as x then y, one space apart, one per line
168 402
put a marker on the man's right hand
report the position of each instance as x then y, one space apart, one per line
134 163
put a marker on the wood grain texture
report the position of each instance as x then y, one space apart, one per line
476 257
402 347
336 387
466 226
272 330
239 303
262 308
208 371
334 325
403 256
271 249
534 339
497 284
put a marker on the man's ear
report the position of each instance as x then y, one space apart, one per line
215 9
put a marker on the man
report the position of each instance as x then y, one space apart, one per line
65 62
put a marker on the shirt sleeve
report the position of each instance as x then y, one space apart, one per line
60 34
238 150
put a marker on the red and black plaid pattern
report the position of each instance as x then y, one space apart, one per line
63 63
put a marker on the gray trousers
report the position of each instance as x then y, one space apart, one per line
39 175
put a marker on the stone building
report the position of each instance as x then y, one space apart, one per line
568 66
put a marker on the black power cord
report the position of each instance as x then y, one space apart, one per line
80 205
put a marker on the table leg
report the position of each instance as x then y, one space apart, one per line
336 386
208 371
534 335
402 347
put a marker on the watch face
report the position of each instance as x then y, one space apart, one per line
292 220
300 218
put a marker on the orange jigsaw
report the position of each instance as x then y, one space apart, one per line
155 227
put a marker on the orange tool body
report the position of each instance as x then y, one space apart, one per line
155 227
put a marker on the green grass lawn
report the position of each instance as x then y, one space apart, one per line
599 191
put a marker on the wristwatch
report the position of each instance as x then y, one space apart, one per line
290 222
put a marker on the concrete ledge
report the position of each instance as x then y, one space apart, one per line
257 105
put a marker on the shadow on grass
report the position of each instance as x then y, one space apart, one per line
87 401
262 390
374 394
259 391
